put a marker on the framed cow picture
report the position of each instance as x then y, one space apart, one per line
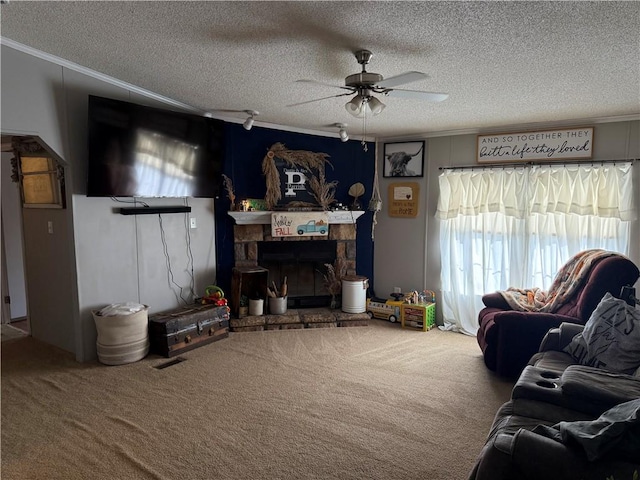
404 159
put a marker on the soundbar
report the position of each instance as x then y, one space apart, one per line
153 210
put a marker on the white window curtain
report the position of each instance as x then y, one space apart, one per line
517 226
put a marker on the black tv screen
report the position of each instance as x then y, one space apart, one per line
139 151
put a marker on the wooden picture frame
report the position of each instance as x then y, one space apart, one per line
403 199
39 174
403 159
40 182
295 179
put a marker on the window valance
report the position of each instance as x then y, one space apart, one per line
602 190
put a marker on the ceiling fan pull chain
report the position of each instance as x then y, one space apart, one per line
364 128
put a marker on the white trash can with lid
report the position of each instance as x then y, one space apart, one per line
354 294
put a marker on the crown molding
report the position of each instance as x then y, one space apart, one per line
97 75
518 127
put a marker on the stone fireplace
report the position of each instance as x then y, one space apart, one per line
301 259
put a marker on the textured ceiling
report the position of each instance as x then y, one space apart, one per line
502 63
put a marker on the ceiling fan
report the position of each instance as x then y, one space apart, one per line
365 84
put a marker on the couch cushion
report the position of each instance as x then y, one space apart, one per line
495 300
587 390
552 360
593 386
611 337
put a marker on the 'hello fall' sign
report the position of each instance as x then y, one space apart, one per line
575 143
299 224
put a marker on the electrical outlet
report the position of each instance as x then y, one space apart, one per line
397 290
193 222
50 227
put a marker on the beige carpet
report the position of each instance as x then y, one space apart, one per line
371 402
9 332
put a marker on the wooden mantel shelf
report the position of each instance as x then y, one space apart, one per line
257 218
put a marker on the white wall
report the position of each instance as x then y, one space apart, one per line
407 252
96 256
32 103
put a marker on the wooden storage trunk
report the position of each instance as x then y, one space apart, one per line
185 328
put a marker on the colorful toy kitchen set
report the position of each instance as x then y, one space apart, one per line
414 310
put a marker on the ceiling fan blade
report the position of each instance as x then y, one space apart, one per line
351 89
417 95
402 79
318 99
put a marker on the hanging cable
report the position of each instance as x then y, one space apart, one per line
364 129
133 201
189 256
170 278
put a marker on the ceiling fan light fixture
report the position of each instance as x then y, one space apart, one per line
375 105
248 123
356 106
360 106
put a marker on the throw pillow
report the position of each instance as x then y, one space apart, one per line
611 337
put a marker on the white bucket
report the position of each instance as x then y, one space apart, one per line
354 294
256 307
122 338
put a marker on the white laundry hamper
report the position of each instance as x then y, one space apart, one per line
122 338
354 294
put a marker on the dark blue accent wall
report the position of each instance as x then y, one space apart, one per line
245 151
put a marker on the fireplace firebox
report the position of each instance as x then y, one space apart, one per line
303 263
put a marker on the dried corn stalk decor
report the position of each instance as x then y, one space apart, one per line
323 192
333 276
294 158
333 279
228 186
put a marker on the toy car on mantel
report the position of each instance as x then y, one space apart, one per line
384 309
312 227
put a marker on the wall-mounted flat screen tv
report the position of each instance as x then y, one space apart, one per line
139 151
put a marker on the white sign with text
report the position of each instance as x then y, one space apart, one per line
575 143
299 224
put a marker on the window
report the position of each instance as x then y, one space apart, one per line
40 176
517 226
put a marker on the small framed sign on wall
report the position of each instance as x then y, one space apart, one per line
403 199
404 159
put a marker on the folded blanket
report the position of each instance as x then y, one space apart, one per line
567 281
616 433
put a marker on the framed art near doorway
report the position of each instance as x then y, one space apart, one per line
404 159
